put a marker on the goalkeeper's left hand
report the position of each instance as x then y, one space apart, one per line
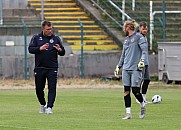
141 64
116 72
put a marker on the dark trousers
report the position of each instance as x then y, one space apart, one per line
41 75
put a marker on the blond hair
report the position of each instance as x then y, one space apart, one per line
132 24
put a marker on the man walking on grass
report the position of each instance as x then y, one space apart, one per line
46 47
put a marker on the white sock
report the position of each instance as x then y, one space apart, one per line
142 104
128 110
144 97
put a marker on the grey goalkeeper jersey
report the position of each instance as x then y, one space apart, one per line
134 49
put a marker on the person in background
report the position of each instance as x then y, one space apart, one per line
132 64
143 29
46 47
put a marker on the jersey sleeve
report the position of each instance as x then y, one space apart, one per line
33 48
143 45
121 61
61 53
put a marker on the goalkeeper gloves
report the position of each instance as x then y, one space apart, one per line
116 72
141 64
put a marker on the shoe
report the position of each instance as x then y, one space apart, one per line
42 109
49 110
147 102
128 116
142 112
137 101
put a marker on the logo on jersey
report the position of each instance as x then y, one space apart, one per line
132 40
51 40
125 41
40 38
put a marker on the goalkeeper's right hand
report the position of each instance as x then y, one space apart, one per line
116 72
141 64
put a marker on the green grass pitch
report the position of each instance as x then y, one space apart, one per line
89 109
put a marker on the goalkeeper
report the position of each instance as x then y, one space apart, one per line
132 64
143 29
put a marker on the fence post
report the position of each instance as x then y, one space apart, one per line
151 24
1 12
82 50
133 5
25 49
42 10
163 20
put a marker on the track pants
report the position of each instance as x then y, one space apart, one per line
41 75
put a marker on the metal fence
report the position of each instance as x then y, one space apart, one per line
16 62
15 35
16 65
162 17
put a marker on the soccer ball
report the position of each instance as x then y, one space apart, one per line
156 99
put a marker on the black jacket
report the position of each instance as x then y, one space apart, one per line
46 58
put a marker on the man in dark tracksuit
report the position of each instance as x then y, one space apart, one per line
46 47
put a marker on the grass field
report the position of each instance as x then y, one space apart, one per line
89 109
